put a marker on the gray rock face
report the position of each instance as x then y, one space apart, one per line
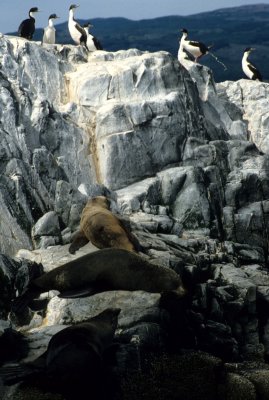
127 117
187 161
48 226
132 305
36 151
66 125
225 116
15 276
144 132
251 99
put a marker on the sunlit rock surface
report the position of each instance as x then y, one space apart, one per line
186 160
250 98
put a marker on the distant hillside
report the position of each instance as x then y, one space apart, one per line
230 30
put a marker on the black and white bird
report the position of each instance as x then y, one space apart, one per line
76 31
49 33
27 26
194 49
92 42
250 69
182 54
197 49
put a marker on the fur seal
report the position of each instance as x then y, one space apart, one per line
103 228
13 345
102 270
73 357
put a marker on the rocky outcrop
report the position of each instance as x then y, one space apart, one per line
139 108
38 143
185 159
14 276
114 119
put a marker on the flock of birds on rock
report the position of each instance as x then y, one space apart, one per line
188 49
80 34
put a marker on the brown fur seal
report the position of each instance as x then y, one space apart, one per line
104 229
73 357
102 270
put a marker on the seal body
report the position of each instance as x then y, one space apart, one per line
73 358
97 332
103 270
103 228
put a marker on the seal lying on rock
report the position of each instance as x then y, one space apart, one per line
100 271
104 229
73 357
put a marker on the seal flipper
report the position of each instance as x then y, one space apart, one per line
93 288
78 241
12 374
75 293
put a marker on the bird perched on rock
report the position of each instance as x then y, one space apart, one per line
27 26
92 42
50 31
250 69
197 49
76 31
73 360
182 54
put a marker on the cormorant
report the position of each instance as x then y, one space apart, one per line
49 32
250 69
27 26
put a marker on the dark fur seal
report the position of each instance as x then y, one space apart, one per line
103 270
103 228
74 356
13 346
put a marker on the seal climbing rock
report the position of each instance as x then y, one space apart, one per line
103 228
